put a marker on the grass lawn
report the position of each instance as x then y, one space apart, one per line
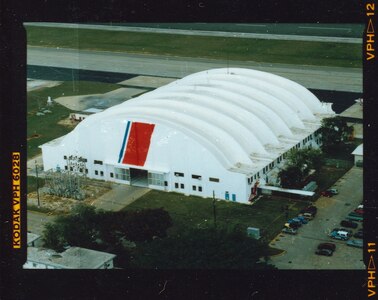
336 165
259 50
41 129
192 211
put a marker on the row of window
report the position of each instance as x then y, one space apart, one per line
199 177
194 187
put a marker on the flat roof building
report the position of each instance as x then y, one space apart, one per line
72 258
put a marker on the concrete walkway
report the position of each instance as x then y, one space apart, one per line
119 197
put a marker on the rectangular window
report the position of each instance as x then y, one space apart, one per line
71 169
176 185
165 183
213 179
155 179
81 170
264 171
101 173
111 175
84 160
194 188
178 174
86 171
200 188
98 162
249 180
182 186
96 172
196 177
65 167
65 157
122 174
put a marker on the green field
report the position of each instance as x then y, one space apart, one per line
239 49
42 129
197 212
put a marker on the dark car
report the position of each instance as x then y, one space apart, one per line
310 209
349 224
326 194
325 252
359 234
328 246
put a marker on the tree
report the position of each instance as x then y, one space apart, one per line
207 248
85 227
291 177
335 132
298 165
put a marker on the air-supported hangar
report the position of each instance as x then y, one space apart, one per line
221 130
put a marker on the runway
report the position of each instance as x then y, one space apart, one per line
322 78
234 34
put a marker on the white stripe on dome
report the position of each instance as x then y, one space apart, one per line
264 135
304 94
246 138
263 85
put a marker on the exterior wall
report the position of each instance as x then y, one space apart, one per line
38 265
170 152
175 162
358 158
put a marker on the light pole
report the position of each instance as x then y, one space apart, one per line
36 172
214 211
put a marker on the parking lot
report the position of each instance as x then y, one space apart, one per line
300 249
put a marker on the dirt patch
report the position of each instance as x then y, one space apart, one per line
68 122
58 205
34 136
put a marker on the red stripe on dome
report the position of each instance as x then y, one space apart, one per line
138 144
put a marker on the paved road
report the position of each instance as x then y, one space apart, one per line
37 220
324 78
208 33
300 248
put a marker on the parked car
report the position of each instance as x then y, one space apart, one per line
329 192
359 211
310 209
361 206
328 246
340 235
295 221
355 243
325 252
308 216
349 224
292 225
350 232
355 217
359 234
289 230
302 219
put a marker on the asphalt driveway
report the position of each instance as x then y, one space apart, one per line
300 249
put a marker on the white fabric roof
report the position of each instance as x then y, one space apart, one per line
241 116
359 150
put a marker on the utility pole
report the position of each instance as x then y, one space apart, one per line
36 172
214 211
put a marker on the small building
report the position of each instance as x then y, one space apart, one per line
72 258
32 239
358 156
